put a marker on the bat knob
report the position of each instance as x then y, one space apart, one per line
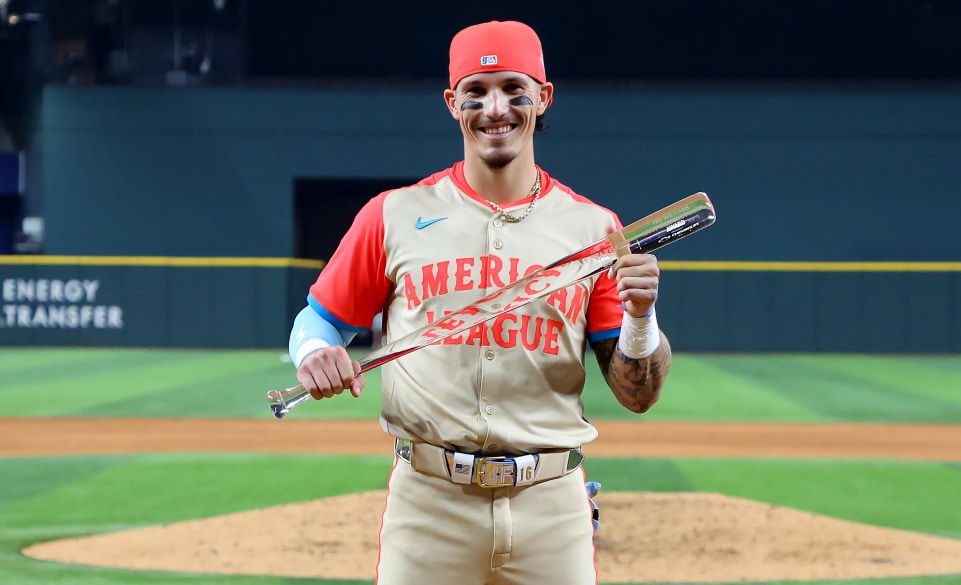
278 406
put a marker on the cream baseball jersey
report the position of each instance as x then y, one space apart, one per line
510 385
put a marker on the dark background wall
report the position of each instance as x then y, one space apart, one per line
815 175
124 41
614 39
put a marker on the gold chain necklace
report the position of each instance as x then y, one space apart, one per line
535 191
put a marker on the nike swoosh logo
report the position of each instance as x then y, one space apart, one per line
421 224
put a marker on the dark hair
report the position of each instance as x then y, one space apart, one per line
540 127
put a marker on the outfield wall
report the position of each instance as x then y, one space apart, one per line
705 306
885 307
151 301
841 175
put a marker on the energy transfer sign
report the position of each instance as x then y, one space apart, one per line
55 303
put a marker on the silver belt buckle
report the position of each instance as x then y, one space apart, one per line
494 472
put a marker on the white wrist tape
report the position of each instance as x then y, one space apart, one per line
307 348
311 332
640 337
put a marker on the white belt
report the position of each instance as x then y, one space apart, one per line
487 471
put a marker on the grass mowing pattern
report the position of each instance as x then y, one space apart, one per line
930 377
637 475
698 388
220 384
918 496
194 485
840 391
162 383
25 478
56 497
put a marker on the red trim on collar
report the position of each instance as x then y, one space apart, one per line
456 175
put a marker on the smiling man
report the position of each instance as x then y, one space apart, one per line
488 484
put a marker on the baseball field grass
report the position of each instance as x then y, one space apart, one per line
51 497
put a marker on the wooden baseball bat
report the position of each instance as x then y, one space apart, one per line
676 221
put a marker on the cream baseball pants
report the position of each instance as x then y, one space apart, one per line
436 532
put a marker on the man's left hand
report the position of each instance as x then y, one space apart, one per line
637 278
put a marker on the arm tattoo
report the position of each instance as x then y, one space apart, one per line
636 383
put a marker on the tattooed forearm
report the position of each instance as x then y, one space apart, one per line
636 383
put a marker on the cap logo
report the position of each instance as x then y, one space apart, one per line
489 60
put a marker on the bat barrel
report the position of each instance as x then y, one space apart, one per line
685 226
687 216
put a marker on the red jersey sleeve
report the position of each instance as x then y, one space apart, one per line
353 287
604 308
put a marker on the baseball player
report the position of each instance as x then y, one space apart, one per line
487 484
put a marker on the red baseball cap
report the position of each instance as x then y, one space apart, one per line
496 46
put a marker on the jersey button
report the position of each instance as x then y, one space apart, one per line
496 306
489 410
489 354
498 244
498 223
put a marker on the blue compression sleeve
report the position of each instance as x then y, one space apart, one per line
311 332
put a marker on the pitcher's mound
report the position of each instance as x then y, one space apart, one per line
664 537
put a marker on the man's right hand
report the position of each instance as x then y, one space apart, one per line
330 371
